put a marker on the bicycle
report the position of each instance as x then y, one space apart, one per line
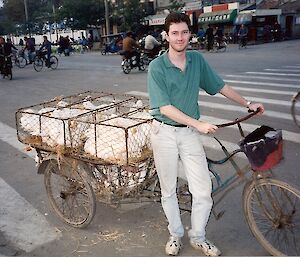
295 108
40 59
20 60
219 45
242 42
74 180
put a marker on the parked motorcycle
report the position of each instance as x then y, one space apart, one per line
130 63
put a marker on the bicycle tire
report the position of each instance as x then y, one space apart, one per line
295 109
53 62
20 62
271 208
38 64
70 195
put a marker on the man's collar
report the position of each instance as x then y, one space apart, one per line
169 64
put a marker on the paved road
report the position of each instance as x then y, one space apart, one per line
267 73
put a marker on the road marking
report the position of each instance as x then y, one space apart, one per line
268 91
228 107
284 70
275 74
22 224
261 77
295 66
255 99
262 83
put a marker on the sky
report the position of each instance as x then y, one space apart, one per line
1 3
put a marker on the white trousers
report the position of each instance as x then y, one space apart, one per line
171 144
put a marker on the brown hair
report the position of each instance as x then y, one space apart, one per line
176 17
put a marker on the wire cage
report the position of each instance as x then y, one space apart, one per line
97 127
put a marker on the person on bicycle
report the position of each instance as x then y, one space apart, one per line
219 35
130 48
242 34
48 50
174 80
29 46
209 33
5 51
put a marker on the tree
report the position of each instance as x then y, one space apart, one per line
85 12
132 14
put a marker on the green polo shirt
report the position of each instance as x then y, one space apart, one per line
168 85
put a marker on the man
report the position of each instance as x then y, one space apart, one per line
219 35
174 81
243 32
5 50
210 37
29 46
2 53
130 47
47 46
151 44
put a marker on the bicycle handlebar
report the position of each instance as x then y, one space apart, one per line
239 120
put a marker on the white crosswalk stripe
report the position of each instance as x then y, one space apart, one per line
22 224
273 73
262 83
262 77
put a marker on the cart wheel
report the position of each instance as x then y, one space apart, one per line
70 195
271 208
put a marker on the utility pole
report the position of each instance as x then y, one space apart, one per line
26 16
54 14
107 25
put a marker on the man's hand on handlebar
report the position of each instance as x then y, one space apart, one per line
256 106
205 127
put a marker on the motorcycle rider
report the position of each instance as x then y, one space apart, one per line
130 48
152 45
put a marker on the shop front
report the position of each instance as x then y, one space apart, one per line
260 23
222 19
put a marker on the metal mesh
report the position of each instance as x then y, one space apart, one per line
94 126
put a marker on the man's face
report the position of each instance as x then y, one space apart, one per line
1 41
178 36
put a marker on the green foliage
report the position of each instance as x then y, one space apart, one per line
132 14
83 12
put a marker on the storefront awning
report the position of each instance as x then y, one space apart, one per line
243 18
218 17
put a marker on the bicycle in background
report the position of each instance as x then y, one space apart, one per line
40 60
295 109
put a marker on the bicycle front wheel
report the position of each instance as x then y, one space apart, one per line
20 62
70 195
38 64
296 109
272 211
53 62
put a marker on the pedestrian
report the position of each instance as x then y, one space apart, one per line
174 80
210 37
